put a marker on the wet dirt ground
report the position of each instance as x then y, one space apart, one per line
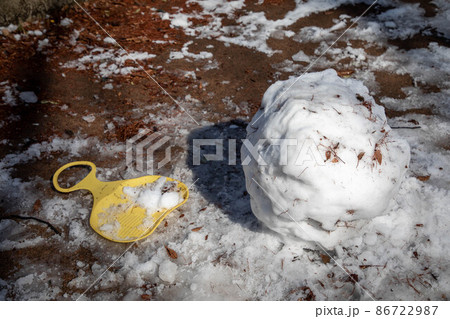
230 91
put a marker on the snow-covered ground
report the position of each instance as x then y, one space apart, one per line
221 250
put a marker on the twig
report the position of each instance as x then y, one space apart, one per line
33 218
376 266
409 284
405 127
337 111
335 154
302 172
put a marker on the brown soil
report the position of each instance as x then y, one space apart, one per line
247 71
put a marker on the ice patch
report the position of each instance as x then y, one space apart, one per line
252 29
109 62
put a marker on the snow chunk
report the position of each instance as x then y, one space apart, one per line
185 53
403 22
27 280
168 271
89 118
42 44
9 93
65 22
12 27
153 197
28 97
10 245
176 55
156 196
300 56
343 163
180 20
440 21
109 40
37 33
147 269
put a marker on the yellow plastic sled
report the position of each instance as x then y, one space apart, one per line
110 202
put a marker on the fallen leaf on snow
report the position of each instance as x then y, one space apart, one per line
377 155
325 258
37 206
360 155
345 73
172 254
423 178
146 297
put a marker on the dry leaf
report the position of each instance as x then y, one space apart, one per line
310 296
172 254
328 155
351 211
377 155
423 178
6 32
334 160
146 297
206 237
345 73
321 284
352 278
325 258
37 206
360 155
364 266
197 228
181 216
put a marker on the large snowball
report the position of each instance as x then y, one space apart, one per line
323 158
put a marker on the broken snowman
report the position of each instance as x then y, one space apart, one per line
320 159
